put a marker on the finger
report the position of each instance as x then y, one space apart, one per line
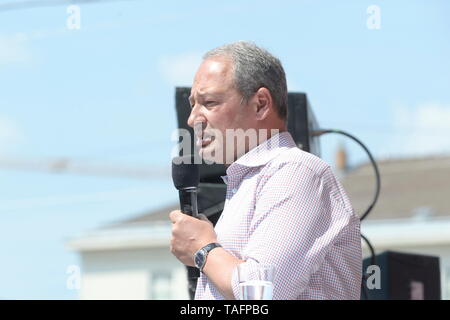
175 216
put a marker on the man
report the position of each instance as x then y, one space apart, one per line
283 206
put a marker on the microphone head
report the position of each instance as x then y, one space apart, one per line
185 172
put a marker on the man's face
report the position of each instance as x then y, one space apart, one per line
216 106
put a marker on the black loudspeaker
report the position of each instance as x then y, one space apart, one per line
403 276
301 122
212 189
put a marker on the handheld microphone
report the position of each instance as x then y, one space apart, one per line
186 177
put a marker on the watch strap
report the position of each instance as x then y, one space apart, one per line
205 250
211 246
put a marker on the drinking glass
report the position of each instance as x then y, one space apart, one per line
255 281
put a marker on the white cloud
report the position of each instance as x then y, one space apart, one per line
10 134
421 130
14 48
180 69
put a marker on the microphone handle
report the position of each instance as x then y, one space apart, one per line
188 205
188 201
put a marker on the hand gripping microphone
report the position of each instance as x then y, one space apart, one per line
186 177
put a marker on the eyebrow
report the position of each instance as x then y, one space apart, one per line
203 95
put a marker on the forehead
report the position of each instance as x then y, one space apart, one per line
214 76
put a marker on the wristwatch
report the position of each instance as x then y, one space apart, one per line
201 254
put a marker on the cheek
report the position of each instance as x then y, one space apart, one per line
217 124
245 119
227 119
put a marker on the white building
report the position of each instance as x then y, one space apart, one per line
131 259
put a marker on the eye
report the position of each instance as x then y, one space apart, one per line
210 103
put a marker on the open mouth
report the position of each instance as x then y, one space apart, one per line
203 142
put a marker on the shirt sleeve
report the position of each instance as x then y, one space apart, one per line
298 216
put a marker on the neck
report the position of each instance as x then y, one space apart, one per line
263 135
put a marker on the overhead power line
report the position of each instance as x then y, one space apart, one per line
28 4
65 165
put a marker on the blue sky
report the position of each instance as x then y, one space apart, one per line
104 95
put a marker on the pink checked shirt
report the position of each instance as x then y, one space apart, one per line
285 207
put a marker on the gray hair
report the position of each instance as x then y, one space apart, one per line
254 68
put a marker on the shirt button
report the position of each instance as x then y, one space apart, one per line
234 190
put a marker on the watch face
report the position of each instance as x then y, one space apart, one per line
199 258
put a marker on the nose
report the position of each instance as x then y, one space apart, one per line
196 117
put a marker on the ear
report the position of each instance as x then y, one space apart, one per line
263 103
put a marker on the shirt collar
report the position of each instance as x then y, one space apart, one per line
261 154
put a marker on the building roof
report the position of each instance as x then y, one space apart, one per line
156 216
410 188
